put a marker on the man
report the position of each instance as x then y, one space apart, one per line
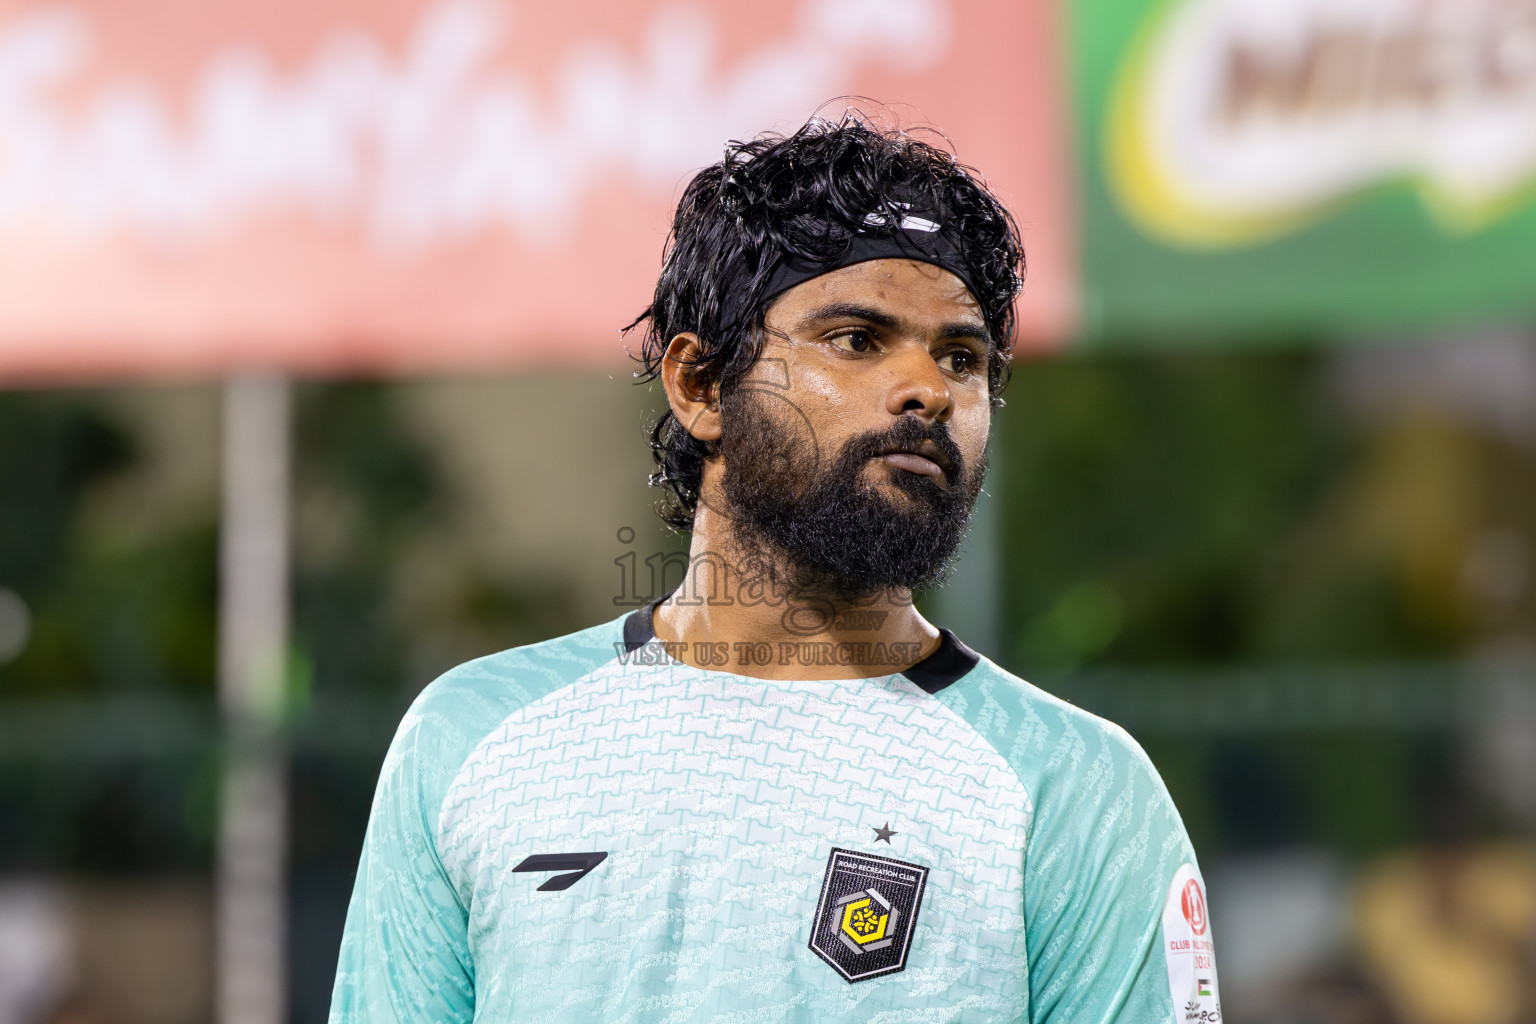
779 794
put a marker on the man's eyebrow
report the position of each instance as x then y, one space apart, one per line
880 318
962 329
851 311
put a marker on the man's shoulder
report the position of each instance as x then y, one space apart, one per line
509 679
1087 779
1040 734
460 707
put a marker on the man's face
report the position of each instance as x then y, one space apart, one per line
856 447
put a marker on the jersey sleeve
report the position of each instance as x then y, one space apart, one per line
404 953
1106 850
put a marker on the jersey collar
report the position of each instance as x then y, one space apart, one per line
946 665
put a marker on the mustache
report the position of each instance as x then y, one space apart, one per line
910 434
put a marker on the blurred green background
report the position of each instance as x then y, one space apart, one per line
1300 576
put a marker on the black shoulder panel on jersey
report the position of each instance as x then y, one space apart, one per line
946 665
638 628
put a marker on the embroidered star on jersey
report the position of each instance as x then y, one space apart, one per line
883 834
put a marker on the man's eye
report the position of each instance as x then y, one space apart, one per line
854 341
960 361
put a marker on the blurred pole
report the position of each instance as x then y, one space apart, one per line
253 641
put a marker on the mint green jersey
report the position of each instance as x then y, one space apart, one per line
587 830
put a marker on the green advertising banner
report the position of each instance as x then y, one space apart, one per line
1305 166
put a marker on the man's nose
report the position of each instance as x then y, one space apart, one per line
918 386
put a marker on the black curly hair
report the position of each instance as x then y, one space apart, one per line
804 196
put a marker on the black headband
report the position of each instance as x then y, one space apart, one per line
917 236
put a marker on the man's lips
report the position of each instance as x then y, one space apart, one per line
913 463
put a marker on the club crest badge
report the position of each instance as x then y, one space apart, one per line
867 914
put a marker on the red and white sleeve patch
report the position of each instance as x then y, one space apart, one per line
1189 951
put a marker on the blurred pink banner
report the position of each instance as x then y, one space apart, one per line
399 186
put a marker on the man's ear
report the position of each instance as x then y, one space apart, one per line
696 406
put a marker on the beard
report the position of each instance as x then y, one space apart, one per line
810 523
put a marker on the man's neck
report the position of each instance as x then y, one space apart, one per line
728 618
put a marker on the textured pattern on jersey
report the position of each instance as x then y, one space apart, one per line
720 798
1051 841
405 953
1104 844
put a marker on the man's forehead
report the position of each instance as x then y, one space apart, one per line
907 289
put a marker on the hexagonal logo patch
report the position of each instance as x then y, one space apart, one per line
867 913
